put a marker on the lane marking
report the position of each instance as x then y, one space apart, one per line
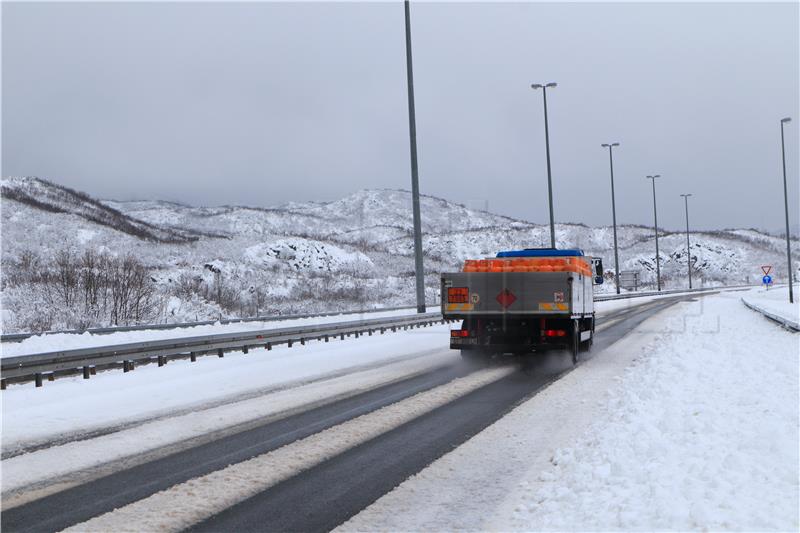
185 504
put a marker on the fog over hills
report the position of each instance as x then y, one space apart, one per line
64 255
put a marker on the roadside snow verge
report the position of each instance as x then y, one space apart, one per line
699 432
774 305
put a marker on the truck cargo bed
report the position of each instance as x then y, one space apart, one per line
516 294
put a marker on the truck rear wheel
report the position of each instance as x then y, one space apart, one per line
576 340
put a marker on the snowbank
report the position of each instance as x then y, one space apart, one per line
114 398
69 341
776 302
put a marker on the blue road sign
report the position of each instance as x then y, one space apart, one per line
766 280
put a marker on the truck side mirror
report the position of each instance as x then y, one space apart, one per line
598 271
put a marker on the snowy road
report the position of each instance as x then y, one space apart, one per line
308 461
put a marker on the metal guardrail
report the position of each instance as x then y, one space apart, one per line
47 365
785 322
19 337
607 297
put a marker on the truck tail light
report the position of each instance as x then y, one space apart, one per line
459 333
458 295
554 333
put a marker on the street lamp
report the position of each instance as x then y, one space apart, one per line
544 88
613 212
688 253
786 208
412 133
655 216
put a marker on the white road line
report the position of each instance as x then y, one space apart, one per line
188 503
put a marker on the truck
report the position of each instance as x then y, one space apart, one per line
522 302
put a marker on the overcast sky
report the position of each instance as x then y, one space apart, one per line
262 103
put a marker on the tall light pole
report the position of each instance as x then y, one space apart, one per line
613 212
786 209
544 88
655 216
688 252
412 132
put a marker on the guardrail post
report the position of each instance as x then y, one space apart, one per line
269 346
370 332
2 384
86 372
245 350
126 366
326 338
193 357
38 379
302 341
341 336
356 334
220 353
160 360
383 330
289 343
394 329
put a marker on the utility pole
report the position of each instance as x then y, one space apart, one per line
544 87
786 210
688 251
412 132
655 216
613 212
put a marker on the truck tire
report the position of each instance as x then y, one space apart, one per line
576 341
587 345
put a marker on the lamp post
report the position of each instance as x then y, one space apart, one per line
412 132
786 210
655 216
613 212
688 253
544 88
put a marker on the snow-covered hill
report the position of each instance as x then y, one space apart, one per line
49 196
356 252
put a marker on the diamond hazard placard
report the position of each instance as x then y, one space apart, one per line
506 298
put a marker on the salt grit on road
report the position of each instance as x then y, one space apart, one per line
689 423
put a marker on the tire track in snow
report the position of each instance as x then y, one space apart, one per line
44 472
25 447
188 503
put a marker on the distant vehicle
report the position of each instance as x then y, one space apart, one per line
523 301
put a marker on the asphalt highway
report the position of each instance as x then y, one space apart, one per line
326 495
